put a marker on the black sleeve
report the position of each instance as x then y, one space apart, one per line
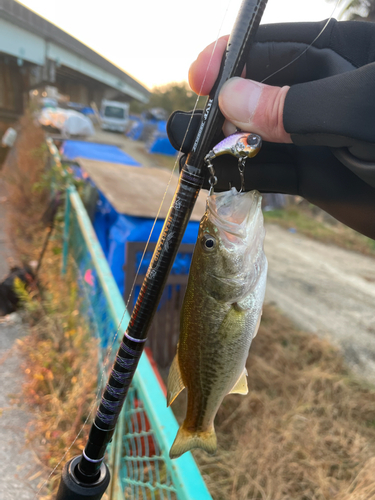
341 47
329 111
337 111
332 97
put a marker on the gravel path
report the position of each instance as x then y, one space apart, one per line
326 290
18 464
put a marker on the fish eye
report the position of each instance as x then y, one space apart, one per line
208 242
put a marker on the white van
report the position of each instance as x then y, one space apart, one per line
114 115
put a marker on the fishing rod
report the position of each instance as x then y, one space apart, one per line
86 476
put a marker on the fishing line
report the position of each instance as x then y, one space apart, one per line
173 169
175 165
172 174
307 48
110 348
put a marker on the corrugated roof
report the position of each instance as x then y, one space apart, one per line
137 191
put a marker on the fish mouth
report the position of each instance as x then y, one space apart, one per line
233 209
233 213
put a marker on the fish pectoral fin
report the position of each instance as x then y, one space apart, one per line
240 387
188 440
174 384
244 304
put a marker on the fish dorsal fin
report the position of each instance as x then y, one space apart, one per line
240 387
175 384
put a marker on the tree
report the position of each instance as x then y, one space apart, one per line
171 97
359 10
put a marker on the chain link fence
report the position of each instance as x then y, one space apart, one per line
138 457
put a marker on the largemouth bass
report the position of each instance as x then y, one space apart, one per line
220 314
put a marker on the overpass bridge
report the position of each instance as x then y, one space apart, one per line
35 53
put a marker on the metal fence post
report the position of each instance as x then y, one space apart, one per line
66 231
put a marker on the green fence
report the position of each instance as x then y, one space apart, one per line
138 456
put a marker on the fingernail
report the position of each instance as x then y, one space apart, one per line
239 99
229 128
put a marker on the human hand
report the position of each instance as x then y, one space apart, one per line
246 104
330 103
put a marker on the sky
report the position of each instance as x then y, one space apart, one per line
155 41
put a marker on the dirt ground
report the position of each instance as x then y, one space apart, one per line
326 290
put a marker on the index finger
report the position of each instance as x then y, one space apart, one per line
205 69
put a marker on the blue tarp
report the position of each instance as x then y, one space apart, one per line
87 111
154 132
115 230
161 145
94 151
136 128
159 142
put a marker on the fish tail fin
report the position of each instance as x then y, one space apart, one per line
186 441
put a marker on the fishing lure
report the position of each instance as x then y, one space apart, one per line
241 145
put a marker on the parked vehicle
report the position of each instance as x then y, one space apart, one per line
114 115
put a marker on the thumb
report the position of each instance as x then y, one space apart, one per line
255 107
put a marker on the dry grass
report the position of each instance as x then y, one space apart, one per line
305 431
23 170
317 224
60 377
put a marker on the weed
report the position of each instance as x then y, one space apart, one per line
318 225
305 430
61 379
23 169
